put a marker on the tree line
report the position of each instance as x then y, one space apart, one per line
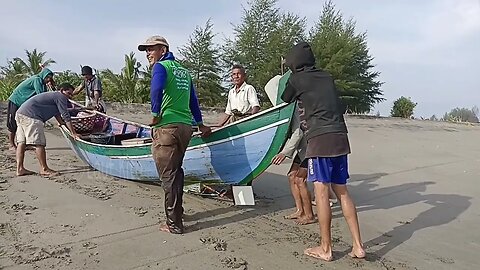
259 42
404 107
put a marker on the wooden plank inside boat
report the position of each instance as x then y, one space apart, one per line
136 141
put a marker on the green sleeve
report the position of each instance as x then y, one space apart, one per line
38 86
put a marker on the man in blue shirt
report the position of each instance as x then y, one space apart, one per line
174 103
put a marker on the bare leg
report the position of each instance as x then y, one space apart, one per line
42 158
332 196
307 217
350 214
20 159
11 141
300 181
324 251
295 194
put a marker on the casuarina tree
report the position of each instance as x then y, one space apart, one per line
344 53
260 40
200 56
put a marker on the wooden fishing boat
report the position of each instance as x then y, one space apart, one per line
233 155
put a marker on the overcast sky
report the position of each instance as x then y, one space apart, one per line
428 50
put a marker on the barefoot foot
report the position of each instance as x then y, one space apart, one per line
164 228
357 253
49 173
293 216
23 172
319 253
304 220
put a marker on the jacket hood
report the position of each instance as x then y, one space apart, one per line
300 57
44 73
168 56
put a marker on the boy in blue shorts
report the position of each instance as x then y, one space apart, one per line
327 145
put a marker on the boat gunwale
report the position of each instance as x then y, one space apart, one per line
276 124
65 130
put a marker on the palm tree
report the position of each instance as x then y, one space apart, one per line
14 70
18 70
11 76
34 61
126 86
146 81
6 88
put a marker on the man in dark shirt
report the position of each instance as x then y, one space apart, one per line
31 117
327 144
93 90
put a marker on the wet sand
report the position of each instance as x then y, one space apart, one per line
414 183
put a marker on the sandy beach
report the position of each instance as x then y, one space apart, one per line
415 184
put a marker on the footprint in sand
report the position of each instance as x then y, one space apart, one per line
215 243
89 245
17 207
8 232
140 211
234 263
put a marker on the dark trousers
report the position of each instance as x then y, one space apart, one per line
11 122
168 148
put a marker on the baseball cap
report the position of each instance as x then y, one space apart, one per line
86 70
152 41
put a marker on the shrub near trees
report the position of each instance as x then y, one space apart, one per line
462 115
403 107
262 38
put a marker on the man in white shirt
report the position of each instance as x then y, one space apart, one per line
242 98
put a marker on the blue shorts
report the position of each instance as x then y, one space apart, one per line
331 170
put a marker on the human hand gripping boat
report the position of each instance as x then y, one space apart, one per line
232 155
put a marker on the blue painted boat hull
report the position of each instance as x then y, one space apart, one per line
235 154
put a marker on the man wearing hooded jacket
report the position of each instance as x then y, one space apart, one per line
34 85
327 144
